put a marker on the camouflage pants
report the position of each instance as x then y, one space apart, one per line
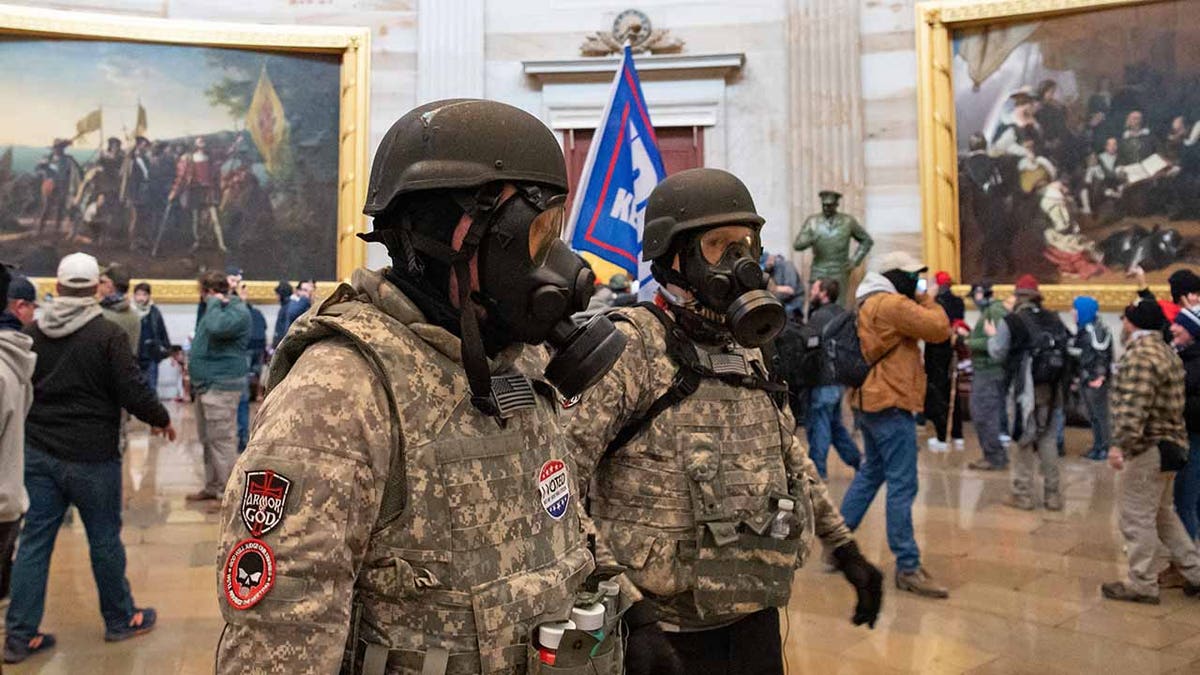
216 425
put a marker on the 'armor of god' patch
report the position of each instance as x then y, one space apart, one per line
263 500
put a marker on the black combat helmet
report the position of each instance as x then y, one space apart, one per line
696 199
462 143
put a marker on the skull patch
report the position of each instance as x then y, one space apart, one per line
249 573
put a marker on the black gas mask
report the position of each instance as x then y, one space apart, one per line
530 284
733 286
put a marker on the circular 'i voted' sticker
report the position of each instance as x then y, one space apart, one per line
555 488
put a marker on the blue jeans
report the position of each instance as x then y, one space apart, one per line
825 426
1096 400
150 374
1187 489
95 490
890 444
243 419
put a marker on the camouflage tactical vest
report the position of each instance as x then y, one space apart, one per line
687 504
489 543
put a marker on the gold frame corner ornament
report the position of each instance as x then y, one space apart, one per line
937 158
352 43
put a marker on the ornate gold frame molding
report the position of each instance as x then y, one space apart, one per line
353 44
937 157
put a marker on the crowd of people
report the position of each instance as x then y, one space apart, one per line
1020 370
72 371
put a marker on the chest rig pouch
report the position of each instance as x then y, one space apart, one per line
729 443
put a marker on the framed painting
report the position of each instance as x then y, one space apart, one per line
1060 138
177 147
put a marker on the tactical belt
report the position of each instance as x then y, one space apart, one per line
690 371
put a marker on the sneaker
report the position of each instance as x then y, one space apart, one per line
1117 590
1023 502
960 444
17 650
201 496
984 465
936 446
919 582
142 622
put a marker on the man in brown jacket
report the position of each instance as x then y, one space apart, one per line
893 317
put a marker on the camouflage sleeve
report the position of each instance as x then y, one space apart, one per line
611 403
828 523
298 513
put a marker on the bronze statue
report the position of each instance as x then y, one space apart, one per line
828 233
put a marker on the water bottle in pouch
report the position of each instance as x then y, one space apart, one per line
781 525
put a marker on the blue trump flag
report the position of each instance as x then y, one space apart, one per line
623 165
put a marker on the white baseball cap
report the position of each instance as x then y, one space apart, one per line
903 261
78 270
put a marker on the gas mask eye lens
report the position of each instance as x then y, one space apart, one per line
546 228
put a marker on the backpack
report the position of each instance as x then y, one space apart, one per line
1047 349
843 357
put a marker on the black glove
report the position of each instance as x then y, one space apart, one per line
866 580
647 651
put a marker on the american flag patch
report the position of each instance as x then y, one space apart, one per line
728 364
512 393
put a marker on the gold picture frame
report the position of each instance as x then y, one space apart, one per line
936 20
351 44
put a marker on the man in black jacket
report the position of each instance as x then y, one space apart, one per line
1186 333
85 375
939 373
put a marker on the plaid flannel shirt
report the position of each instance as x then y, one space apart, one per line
1148 396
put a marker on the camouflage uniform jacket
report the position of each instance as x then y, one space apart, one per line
707 470
485 543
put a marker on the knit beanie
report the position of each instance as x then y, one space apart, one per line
1027 284
1190 321
1146 315
1086 307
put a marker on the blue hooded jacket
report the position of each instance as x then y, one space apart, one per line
1087 308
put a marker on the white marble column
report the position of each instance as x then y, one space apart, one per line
450 57
825 105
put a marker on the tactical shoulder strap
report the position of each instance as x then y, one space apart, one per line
688 374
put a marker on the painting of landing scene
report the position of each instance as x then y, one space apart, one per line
171 159
1079 145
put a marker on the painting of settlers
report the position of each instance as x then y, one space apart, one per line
1079 145
169 158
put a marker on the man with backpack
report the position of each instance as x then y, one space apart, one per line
1032 344
825 397
877 351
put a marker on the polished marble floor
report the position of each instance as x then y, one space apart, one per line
1024 586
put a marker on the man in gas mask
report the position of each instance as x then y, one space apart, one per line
407 481
700 487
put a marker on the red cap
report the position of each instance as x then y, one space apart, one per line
1027 282
942 278
1170 309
